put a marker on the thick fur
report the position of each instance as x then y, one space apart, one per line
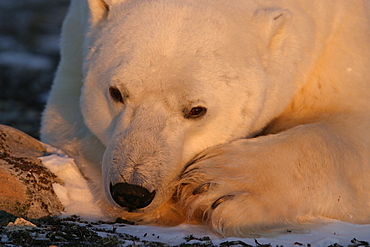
286 84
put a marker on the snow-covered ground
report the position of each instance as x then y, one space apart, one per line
334 232
77 199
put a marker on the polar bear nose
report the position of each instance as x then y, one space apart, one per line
131 196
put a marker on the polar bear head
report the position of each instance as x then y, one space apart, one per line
165 80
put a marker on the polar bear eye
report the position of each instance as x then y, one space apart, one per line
196 112
115 94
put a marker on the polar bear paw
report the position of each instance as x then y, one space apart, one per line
235 196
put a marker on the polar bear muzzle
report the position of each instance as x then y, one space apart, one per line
131 196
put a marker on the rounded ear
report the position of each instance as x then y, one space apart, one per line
272 25
99 10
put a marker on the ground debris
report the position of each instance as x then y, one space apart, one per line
357 243
20 224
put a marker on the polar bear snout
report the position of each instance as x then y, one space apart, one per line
131 196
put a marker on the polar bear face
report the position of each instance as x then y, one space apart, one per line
158 91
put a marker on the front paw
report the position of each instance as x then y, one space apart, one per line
236 195
206 190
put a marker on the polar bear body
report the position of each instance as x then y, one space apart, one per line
244 115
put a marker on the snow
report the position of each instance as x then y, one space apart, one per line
74 194
334 232
77 199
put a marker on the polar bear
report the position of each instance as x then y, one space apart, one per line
246 116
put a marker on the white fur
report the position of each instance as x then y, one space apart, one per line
286 85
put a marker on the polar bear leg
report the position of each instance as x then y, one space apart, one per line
62 123
311 171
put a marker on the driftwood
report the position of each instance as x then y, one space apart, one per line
25 184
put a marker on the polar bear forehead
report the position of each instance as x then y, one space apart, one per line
168 28
171 38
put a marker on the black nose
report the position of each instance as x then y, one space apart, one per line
131 196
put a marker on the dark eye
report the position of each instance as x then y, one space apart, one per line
115 94
196 112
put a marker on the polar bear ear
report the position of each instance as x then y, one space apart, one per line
99 10
273 25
